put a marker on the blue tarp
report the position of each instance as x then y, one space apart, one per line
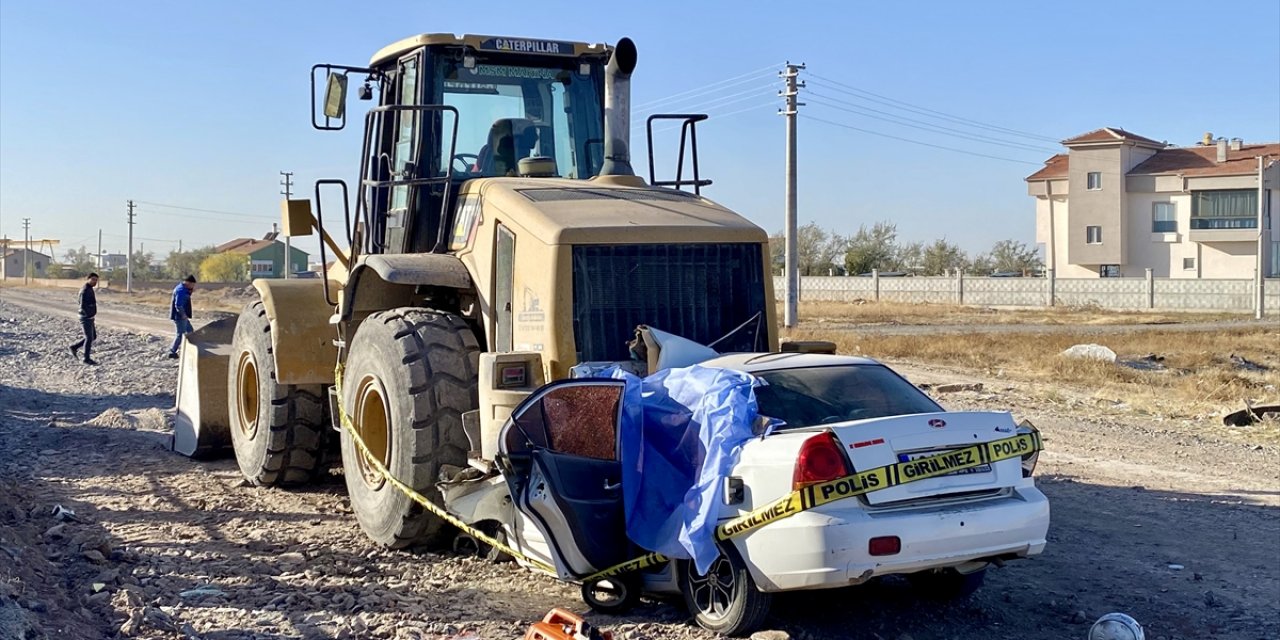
680 435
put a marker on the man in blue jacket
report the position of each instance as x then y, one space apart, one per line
180 311
88 311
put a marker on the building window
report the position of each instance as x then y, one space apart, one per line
1093 235
1224 209
262 266
1188 264
1094 181
1164 218
1109 271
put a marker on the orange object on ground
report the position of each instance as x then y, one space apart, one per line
559 624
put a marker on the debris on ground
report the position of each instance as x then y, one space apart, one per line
955 387
1091 352
1252 415
1246 364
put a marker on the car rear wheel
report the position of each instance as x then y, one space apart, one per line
725 599
947 584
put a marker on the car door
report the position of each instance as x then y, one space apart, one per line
560 451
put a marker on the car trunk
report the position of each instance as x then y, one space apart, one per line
884 441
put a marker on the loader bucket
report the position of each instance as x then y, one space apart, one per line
202 428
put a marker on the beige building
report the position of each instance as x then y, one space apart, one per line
1117 204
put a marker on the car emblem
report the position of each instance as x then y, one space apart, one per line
937 423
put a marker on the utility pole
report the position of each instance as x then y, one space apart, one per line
99 260
792 273
26 255
1261 302
287 183
128 259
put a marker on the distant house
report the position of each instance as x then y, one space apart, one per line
16 261
1117 204
109 261
266 256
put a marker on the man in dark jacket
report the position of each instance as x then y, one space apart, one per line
180 311
88 310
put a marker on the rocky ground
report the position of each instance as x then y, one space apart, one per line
104 533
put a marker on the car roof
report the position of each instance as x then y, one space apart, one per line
761 362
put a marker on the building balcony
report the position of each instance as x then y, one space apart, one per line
1223 229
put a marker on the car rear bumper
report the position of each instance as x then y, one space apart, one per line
828 546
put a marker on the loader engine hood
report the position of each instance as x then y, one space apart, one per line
620 256
559 211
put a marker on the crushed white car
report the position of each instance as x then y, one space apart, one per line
561 501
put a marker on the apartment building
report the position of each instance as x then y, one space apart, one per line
1117 204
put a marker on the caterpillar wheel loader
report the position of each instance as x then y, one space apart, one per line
496 212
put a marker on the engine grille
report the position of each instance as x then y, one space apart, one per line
697 291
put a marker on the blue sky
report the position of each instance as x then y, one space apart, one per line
200 104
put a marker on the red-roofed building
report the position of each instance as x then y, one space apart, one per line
1117 204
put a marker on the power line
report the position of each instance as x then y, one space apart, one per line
715 86
925 126
721 116
875 97
706 108
228 213
759 88
924 144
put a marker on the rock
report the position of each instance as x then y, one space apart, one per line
770 635
1090 352
291 557
1079 617
1176 567
95 556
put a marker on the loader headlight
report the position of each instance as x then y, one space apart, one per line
1029 461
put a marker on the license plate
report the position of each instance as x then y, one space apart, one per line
908 457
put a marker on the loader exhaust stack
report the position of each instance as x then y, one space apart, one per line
617 110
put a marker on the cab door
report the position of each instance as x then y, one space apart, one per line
561 455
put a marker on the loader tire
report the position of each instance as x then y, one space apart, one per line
409 376
277 430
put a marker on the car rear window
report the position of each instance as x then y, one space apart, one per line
822 395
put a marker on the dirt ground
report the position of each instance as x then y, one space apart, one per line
104 533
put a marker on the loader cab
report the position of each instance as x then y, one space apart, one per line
455 108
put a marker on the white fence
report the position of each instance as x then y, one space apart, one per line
1109 293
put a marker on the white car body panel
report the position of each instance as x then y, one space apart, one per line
943 522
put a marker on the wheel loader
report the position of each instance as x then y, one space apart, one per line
497 236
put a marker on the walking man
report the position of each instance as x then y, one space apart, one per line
88 310
180 311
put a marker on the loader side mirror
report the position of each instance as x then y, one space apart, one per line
335 96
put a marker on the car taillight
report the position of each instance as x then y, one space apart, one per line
884 546
820 460
1029 460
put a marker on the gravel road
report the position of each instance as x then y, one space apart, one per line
1173 523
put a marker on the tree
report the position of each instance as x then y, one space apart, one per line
981 265
816 249
907 257
79 262
181 264
942 257
225 267
1011 255
142 264
874 248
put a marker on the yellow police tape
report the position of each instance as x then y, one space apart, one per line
800 500
816 495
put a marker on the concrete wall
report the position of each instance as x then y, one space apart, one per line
1169 294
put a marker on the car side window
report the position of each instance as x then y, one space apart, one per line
576 419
